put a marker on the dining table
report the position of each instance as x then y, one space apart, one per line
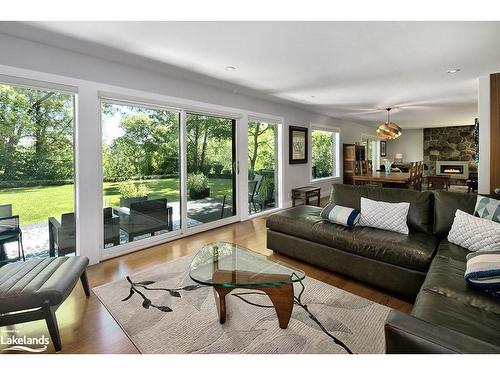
393 178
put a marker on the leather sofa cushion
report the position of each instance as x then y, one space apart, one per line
446 278
420 215
459 316
296 221
446 204
27 285
451 251
413 251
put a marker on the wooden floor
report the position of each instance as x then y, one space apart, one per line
87 327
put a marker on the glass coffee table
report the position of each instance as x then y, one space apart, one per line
227 266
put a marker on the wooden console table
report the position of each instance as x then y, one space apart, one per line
305 193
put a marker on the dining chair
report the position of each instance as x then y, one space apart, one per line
412 183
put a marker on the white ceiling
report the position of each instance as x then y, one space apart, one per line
347 70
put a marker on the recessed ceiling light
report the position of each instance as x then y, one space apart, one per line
230 68
452 71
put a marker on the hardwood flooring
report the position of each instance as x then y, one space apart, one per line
87 327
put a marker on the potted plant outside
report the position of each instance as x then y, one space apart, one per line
197 184
131 192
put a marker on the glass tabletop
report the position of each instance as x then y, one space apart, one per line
230 265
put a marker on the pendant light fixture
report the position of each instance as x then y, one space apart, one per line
388 129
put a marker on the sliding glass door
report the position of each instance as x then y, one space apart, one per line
262 166
141 172
211 168
37 205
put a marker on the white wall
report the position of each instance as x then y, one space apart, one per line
39 57
484 135
91 76
410 144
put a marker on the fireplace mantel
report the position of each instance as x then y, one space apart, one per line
454 169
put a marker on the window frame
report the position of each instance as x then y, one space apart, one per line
35 84
113 251
335 152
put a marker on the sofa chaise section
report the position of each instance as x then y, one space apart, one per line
448 316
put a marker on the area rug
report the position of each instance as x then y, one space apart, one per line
166 312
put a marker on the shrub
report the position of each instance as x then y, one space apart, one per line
205 169
197 182
266 189
129 190
218 167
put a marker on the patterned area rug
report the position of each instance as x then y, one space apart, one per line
181 317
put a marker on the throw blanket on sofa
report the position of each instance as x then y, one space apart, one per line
483 271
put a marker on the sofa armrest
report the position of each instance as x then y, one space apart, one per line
405 334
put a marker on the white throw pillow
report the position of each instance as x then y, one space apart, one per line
474 233
384 215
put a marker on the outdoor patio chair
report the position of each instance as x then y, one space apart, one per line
223 207
145 217
62 236
10 231
253 188
111 227
5 210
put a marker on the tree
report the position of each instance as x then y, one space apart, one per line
261 145
204 133
36 134
149 144
322 153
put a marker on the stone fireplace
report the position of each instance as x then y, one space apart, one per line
450 151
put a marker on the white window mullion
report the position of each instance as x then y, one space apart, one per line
183 171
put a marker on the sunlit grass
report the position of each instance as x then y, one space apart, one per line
36 204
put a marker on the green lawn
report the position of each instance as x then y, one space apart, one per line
36 204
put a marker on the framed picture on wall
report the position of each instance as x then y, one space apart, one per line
383 148
298 146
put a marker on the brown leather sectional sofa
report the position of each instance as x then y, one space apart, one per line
448 316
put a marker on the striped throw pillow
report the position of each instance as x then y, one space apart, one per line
345 216
483 271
